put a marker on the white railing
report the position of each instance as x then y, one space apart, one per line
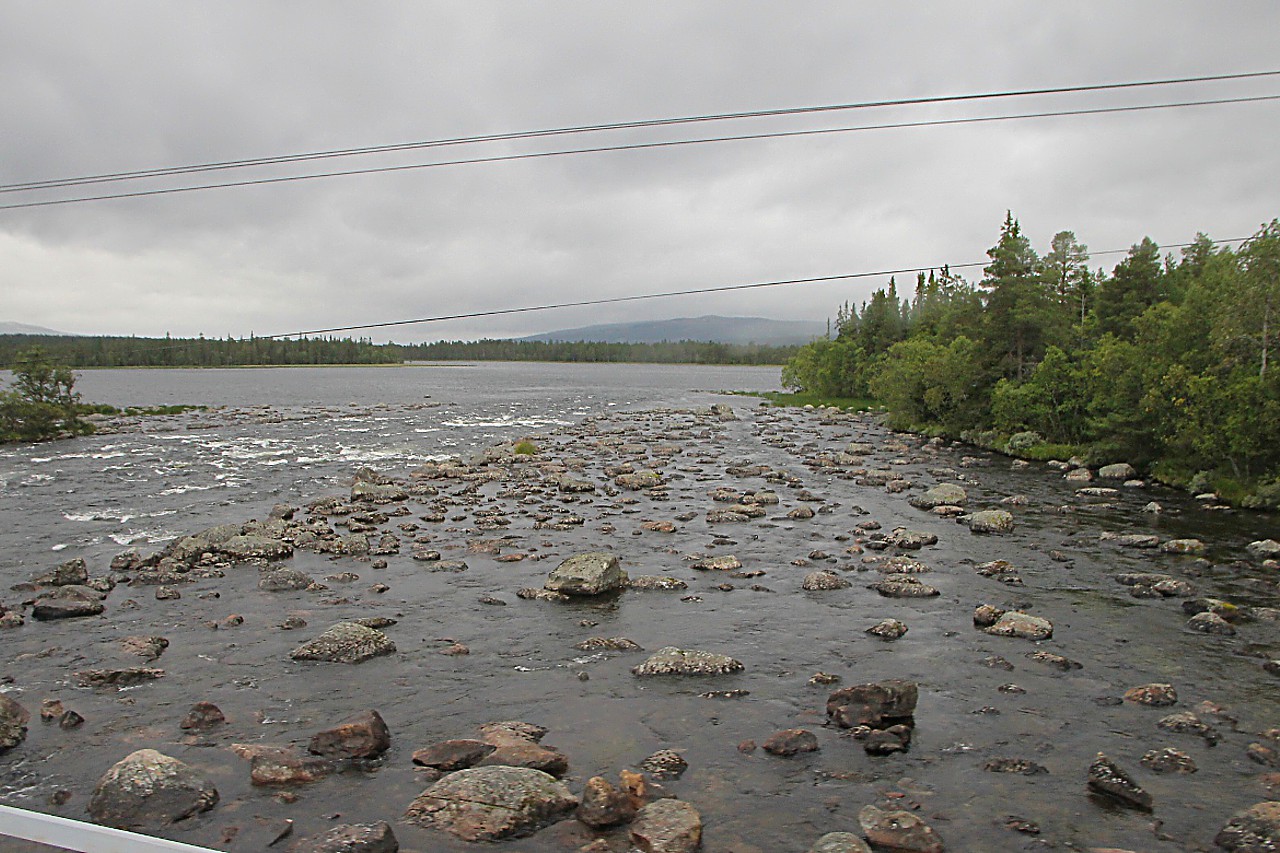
83 837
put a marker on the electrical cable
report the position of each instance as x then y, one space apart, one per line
613 300
636 147
53 183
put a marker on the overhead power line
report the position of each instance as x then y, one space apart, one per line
614 300
53 183
637 146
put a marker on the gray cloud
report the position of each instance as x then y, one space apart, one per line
104 87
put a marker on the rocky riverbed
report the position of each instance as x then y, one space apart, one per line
747 628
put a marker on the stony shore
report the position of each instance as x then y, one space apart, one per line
843 597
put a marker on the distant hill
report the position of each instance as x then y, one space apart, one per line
24 329
725 330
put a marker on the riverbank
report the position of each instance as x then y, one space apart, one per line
781 537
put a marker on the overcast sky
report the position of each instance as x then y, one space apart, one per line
92 87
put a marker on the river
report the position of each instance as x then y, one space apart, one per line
293 435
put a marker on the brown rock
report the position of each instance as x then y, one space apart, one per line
203 715
898 831
452 755
789 742
364 735
604 805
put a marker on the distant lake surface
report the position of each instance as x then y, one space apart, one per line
580 386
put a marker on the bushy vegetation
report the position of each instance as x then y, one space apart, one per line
1166 362
40 403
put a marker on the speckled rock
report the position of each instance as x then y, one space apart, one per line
1106 777
13 723
1252 830
1024 625
149 790
345 642
667 826
674 661
823 580
991 521
350 838
944 494
492 803
899 831
587 574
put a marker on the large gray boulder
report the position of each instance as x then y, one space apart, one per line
492 803
587 574
150 790
1118 471
346 642
667 826
944 494
990 521
254 546
1264 549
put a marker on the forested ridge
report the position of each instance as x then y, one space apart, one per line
1166 362
79 352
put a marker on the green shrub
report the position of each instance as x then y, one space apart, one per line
1023 440
525 448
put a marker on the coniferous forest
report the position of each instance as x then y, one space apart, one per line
79 352
1167 362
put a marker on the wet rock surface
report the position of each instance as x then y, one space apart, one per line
733 585
492 803
147 790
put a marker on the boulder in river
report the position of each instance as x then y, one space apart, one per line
350 838
604 805
1118 471
1252 830
345 642
71 572
150 790
674 661
823 580
1106 778
840 842
492 803
1264 549
990 521
667 826
899 831
51 609
1017 624
450 755
363 735
877 704
253 546
943 494
13 723
587 574
789 742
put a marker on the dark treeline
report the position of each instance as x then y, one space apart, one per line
1165 362
195 352
666 352
80 352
